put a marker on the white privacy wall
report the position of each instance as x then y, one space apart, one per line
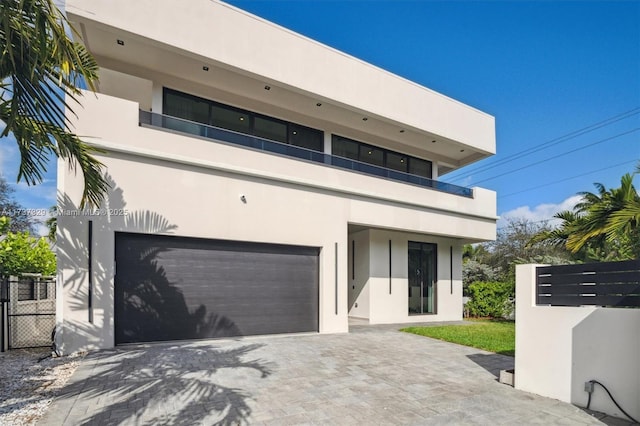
560 348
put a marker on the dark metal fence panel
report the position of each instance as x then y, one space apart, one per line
30 311
613 284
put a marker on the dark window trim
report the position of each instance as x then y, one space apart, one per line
252 115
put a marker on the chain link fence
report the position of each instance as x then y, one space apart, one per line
28 311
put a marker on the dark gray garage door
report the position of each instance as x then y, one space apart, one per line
173 288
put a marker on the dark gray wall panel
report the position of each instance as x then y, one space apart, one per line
173 288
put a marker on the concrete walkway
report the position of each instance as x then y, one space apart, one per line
373 375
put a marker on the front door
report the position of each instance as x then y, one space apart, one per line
422 278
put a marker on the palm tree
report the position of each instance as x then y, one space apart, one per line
604 225
41 69
598 211
626 221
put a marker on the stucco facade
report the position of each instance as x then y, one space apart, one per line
172 183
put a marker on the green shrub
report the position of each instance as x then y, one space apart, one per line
22 253
491 299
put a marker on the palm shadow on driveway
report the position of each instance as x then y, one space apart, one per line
165 384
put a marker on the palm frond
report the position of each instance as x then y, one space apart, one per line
41 70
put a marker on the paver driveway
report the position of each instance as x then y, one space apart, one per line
373 375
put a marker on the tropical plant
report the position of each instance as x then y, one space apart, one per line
41 69
604 226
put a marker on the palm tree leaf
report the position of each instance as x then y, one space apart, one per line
41 70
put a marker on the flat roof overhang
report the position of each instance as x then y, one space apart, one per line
244 54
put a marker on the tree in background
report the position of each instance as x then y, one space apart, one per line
22 253
52 224
41 69
488 269
604 226
512 246
9 207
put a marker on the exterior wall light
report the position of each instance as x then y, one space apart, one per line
243 199
120 42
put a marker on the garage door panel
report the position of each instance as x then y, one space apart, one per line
171 288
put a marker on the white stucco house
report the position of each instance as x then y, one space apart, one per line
261 183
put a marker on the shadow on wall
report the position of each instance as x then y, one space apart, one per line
153 305
167 385
149 307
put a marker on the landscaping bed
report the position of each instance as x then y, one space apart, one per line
30 379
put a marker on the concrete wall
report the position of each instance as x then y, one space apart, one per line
558 349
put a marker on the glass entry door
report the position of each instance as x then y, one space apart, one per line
422 278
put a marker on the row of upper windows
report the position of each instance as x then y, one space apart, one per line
365 153
193 108
200 110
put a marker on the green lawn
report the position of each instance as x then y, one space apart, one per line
490 335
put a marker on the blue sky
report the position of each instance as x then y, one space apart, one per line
543 69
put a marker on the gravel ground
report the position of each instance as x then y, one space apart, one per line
29 379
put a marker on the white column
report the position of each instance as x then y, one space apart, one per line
327 142
156 99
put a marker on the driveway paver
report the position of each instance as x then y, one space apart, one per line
373 375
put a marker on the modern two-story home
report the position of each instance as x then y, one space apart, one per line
261 182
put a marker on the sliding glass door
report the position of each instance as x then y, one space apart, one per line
422 278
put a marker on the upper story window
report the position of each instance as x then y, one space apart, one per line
365 153
193 108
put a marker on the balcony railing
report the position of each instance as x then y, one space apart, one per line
255 142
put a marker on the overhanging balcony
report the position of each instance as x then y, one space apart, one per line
149 119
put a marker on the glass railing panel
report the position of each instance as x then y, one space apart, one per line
211 132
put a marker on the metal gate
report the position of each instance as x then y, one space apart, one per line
27 311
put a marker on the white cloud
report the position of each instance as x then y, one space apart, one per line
540 212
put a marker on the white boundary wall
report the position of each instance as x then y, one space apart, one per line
560 348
